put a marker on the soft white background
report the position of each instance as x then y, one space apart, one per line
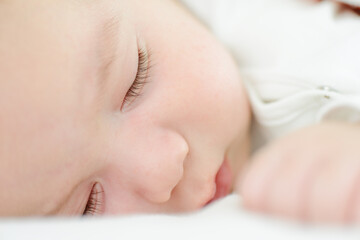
222 220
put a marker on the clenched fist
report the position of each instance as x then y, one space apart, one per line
312 174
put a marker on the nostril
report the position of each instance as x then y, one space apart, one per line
160 197
162 188
162 165
178 149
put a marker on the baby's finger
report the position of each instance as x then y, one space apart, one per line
257 179
355 201
288 190
332 191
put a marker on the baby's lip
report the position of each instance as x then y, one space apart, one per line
223 181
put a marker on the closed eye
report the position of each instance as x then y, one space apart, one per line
95 203
140 79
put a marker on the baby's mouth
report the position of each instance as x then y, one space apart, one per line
223 181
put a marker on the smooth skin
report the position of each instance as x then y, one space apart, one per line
312 174
66 67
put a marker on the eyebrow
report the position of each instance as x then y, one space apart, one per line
107 43
105 47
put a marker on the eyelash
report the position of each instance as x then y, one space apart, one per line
94 205
141 76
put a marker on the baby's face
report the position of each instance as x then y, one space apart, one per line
119 105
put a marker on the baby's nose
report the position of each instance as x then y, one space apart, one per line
163 165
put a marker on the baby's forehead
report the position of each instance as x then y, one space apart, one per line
66 30
48 50
57 51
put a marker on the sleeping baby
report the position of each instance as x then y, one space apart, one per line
133 106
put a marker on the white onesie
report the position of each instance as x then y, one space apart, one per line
299 60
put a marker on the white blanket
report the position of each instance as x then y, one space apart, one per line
224 219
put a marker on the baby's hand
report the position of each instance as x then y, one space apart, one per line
312 174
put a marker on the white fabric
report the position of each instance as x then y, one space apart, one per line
300 60
223 220
289 52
